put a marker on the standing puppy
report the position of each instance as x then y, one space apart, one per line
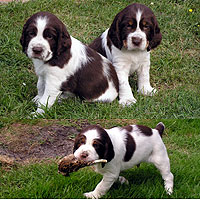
123 148
65 65
127 44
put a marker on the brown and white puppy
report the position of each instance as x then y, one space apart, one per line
127 44
123 147
65 65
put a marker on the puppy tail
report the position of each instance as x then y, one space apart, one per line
160 128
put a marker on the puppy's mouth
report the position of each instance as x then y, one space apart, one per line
132 47
135 43
41 55
70 164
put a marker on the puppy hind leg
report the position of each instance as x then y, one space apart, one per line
162 163
168 180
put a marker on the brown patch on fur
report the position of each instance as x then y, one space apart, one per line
97 46
90 82
113 76
79 140
130 147
128 128
145 130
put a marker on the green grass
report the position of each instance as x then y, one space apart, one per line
175 69
181 138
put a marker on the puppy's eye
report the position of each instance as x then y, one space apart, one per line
82 141
32 33
49 36
95 144
146 27
130 24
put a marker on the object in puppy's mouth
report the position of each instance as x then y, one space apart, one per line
70 164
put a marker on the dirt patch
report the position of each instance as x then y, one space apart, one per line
30 143
43 140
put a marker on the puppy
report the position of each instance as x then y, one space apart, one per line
127 44
65 65
123 148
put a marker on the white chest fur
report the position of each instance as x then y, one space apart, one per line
130 60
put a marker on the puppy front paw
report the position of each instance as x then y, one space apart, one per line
37 113
147 91
122 180
92 195
127 101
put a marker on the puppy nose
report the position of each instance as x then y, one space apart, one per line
136 41
84 154
37 50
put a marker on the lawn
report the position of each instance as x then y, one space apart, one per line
175 69
41 180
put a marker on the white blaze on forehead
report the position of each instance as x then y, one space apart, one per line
138 33
40 41
138 18
41 23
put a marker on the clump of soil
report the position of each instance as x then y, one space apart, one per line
30 143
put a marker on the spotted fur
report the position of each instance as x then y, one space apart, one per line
122 147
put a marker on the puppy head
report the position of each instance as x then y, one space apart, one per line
93 143
44 37
135 28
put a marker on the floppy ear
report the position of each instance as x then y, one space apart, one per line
23 38
156 35
62 50
79 140
109 151
63 40
114 31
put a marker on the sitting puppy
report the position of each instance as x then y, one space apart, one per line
127 44
64 64
122 148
